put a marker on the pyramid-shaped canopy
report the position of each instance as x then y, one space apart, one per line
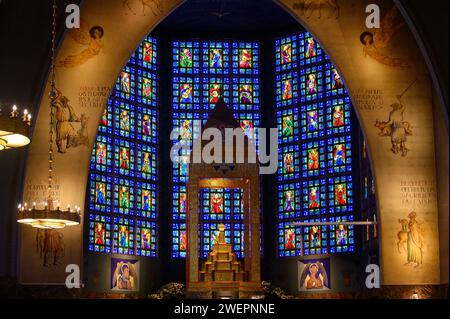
221 117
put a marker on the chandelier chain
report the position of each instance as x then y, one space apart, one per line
52 101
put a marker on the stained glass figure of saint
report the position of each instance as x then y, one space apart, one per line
146 125
312 119
215 58
186 58
146 238
147 87
287 126
124 197
286 54
341 235
216 203
336 80
100 193
338 116
286 87
246 94
146 162
313 159
123 236
104 119
247 128
245 59
186 131
182 203
99 234
100 153
184 165
289 237
125 82
288 201
311 84
339 154
310 48
147 52
214 93
124 158
146 200
313 202
314 237
288 163
186 93
340 194
124 120
183 240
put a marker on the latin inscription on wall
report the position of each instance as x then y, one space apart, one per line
417 192
93 96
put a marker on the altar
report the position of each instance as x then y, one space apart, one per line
222 275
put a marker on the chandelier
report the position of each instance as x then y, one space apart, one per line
46 216
14 129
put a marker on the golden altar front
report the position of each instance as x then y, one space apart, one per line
225 278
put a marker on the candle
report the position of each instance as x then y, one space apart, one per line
14 111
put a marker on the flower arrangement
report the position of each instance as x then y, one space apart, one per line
173 290
271 292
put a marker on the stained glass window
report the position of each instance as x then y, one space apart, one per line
310 50
289 239
101 154
286 54
245 58
99 233
286 89
186 57
221 206
315 150
123 236
288 125
203 72
122 183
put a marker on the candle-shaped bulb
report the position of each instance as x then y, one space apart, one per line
34 205
14 111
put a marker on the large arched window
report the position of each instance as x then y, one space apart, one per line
122 216
315 176
203 71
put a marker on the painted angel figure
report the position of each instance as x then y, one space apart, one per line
380 39
314 276
91 38
124 276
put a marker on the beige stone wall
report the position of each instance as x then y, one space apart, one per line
403 183
91 70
